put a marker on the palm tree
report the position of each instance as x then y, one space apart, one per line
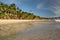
13 6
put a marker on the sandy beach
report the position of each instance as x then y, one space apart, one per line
29 30
3 21
8 27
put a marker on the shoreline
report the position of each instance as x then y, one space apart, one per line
5 21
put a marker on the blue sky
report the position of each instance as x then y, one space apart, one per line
44 8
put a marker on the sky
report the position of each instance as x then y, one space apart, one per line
43 8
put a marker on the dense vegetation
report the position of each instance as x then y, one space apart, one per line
12 12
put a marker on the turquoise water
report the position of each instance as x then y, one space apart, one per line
33 31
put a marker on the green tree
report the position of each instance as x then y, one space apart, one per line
13 6
11 12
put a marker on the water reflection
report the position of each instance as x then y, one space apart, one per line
31 31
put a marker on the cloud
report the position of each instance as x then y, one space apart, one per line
57 7
52 5
57 12
39 6
10 1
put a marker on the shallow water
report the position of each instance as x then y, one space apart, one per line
30 31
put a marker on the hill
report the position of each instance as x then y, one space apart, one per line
12 12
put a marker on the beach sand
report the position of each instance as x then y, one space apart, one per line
11 28
3 21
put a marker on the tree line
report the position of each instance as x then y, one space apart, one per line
12 12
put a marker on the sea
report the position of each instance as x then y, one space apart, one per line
38 30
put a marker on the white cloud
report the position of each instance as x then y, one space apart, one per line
57 12
15 1
55 6
39 6
10 1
